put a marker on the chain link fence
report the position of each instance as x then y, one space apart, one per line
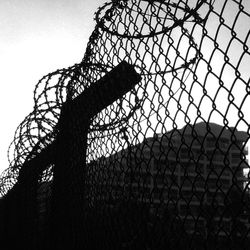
143 144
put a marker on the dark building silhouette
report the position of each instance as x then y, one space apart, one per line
192 172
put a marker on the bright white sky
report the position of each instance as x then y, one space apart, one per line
36 38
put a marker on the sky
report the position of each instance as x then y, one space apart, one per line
36 37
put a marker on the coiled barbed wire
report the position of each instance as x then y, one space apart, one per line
140 21
164 41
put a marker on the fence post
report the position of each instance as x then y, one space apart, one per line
70 155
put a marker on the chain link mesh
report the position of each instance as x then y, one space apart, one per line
166 164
